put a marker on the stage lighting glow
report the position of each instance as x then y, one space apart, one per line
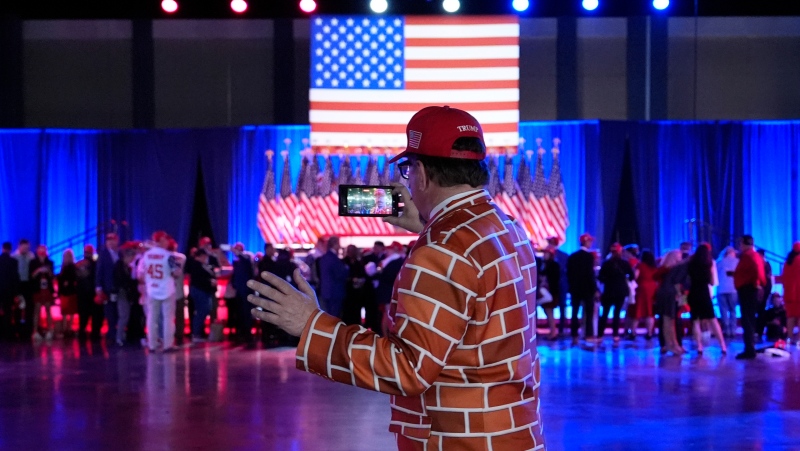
660 4
379 6
590 5
520 5
451 6
169 6
239 6
308 6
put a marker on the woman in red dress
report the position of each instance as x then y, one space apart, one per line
646 286
791 292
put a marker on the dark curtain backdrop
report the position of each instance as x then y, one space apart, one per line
148 178
729 177
687 179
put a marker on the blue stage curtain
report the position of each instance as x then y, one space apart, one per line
579 160
19 185
48 187
68 206
247 175
771 183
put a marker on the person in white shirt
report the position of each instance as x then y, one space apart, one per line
157 268
726 292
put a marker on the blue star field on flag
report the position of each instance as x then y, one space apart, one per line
357 53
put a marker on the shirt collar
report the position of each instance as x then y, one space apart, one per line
453 202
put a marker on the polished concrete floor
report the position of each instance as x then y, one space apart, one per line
67 395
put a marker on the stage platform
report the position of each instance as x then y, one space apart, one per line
69 395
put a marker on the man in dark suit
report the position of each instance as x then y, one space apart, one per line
104 282
9 290
561 258
87 308
582 287
333 274
615 275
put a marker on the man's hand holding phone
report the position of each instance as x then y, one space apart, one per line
409 215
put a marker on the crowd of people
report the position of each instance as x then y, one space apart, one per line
135 284
658 292
139 292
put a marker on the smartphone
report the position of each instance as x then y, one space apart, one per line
368 201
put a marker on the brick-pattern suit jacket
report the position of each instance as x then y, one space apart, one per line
460 361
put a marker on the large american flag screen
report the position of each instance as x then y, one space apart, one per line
370 74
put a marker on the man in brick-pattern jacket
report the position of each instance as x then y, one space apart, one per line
460 361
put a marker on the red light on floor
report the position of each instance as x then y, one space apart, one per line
169 6
239 6
308 6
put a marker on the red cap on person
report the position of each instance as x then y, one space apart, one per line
433 130
586 237
616 248
159 235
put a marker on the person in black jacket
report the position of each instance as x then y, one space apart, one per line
356 295
87 308
68 291
126 289
9 290
243 270
615 274
105 289
284 268
202 286
42 276
333 279
389 269
550 279
582 287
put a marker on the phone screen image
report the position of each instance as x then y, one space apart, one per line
357 200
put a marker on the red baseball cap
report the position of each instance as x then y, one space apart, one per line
159 235
433 130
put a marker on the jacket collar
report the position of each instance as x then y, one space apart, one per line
457 202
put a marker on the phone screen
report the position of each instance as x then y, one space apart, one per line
361 200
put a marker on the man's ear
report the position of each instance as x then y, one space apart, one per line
423 179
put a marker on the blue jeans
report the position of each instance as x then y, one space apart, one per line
202 307
727 310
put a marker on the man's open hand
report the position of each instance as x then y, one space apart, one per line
284 305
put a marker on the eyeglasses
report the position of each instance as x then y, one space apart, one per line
404 167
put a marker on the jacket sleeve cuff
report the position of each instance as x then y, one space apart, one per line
317 339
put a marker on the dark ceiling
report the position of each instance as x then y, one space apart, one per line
90 9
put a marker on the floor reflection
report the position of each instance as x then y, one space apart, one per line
73 395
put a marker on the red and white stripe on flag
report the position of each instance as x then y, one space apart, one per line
468 62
